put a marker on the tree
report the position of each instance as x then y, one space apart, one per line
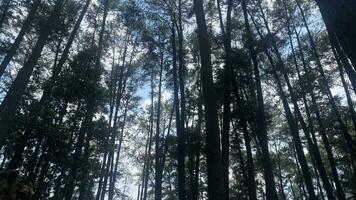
214 164
13 97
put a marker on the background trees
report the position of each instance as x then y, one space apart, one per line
132 99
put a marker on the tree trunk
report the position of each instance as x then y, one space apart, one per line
195 190
340 18
313 146
322 129
98 58
111 140
214 164
64 56
339 54
242 163
33 119
271 192
349 140
347 92
158 148
250 175
179 124
148 161
85 128
292 123
182 133
144 166
12 99
25 26
226 99
114 172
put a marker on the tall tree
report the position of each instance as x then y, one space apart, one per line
26 24
226 32
13 96
260 113
214 164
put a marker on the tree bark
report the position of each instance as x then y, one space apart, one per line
214 164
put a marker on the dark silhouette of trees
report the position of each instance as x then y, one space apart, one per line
112 99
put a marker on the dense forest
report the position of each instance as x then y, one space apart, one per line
177 99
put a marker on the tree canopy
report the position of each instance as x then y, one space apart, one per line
177 99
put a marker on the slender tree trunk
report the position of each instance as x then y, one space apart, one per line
144 166
195 190
166 143
150 141
98 58
40 187
349 140
242 163
280 178
271 192
292 188
297 141
92 101
182 133
25 26
313 146
121 87
339 54
12 99
322 129
85 180
179 124
158 156
214 164
292 125
47 93
318 181
85 128
111 140
138 192
347 92
114 172
17 157
227 96
299 176
250 175
114 169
